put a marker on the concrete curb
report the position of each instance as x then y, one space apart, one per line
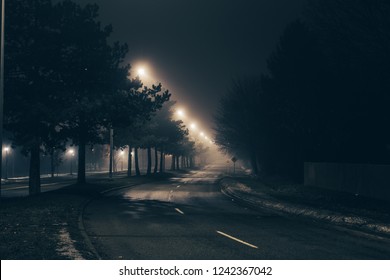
285 208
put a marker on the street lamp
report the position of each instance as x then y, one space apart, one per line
180 113
141 72
71 153
122 153
193 126
6 150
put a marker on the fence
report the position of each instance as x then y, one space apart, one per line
363 179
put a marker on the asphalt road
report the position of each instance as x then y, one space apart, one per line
189 218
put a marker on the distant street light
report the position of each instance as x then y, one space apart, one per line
234 159
122 153
6 150
193 126
181 113
71 154
141 72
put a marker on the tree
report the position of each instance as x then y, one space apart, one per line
353 36
298 82
239 127
133 124
32 110
92 75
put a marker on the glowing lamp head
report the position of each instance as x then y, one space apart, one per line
180 113
141 72
193 126
6 149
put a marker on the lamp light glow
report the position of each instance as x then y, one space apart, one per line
141 72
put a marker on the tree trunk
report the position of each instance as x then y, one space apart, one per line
52 167
149 168
35 170
137 172
177 162
129 159
81 162
173 163
161 161
164 162
155 160
254 164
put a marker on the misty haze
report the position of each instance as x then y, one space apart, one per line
195 130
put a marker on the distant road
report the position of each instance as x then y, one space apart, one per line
18 186
189 218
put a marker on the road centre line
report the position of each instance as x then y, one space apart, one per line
236 239
178 210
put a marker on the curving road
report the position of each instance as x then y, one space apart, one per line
189 218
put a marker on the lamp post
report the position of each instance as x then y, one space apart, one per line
6 150
111 152
1 81
122 153
71 153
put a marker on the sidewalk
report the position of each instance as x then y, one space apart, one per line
318 204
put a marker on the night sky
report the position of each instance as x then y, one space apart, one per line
196 47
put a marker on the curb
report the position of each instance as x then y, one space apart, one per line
366 226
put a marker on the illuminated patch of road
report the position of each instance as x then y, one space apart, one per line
178 186
236 239
179 211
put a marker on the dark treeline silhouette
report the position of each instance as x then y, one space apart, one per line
65 83
160 133
324 97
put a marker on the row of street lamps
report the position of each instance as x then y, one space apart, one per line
193 126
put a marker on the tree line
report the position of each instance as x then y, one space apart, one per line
65 82
325 95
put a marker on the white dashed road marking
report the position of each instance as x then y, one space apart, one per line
236 239
178 210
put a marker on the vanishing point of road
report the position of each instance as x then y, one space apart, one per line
189 218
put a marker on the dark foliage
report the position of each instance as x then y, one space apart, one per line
325 96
